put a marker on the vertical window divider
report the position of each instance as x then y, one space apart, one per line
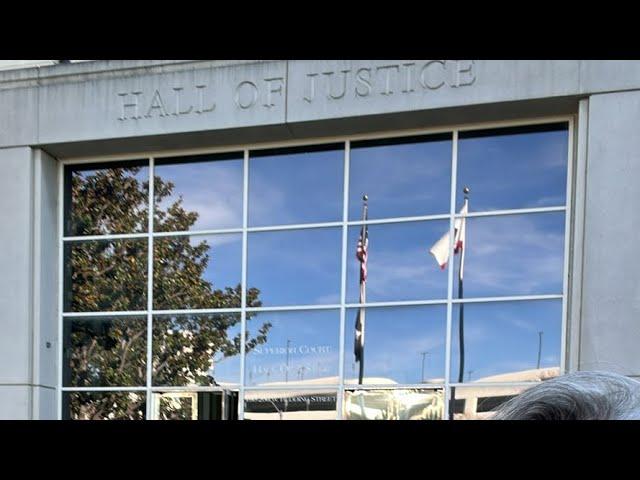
243 286
149 399
343 279
61 235
567 246
450 269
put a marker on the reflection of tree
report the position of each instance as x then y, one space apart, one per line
112 275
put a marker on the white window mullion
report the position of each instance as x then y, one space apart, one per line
243 304
149 399
343 278
60 287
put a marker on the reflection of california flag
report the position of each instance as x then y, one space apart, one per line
440 249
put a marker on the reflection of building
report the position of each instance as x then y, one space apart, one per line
255 172
195 405
479 402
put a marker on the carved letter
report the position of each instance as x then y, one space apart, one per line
408 85
312 87
363 82
178 112
344 85
424 81
271 90
125 105
156 102
201 108
469 70
254 94
387 68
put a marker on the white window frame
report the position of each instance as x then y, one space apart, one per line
345 223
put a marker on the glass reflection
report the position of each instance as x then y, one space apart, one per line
394 404
513 255
399 266
195 405
404 345
105 352
104 406
290 405
106 198
105 275
296 185
507 168
198 192
300 348
480 403
507 341
296 267
202 349
192 272
403 177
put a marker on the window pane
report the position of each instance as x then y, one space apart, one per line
294 348
402 177
106 198
195 405
513 167
105 352
507 341
105 275
394 404
402 345
399 266
296 266
290 405
480 403
299 185
201 349
198 192
103 406
513 255
191 272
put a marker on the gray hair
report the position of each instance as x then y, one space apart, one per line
577 396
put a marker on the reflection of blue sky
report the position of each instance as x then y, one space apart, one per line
313 347
395 337
399 264
224 268
295 266
225 259
525 170
401 180
513 255
227 369
502 337
213 189
296 188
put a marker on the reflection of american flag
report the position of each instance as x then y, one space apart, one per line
362 251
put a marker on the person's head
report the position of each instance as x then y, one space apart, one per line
576 396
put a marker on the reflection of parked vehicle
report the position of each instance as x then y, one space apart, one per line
479 402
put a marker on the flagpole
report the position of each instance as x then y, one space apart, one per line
461 295
466 191
363 289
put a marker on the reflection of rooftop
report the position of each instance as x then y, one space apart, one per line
471 393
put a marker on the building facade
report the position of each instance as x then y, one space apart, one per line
259 239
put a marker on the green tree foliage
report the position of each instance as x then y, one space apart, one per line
112 276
